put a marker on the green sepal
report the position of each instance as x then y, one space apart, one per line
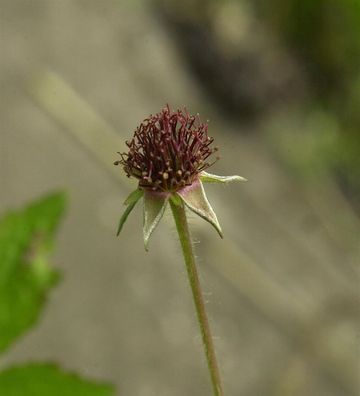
175 199
195 199
130 201
134 197
209 178
154 208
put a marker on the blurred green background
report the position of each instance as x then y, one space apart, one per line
280 83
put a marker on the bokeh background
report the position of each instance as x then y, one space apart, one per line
280 83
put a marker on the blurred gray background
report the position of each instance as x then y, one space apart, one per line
76 78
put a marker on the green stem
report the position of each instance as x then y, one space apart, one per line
185 240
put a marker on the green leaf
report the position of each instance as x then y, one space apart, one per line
131 201
154 208
195 199
48 380
209 178
25 276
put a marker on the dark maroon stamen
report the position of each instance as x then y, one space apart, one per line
168 151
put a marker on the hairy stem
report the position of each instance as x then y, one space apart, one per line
185 241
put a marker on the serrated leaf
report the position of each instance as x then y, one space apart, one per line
154 208
209 178
195 199
131 201
25 276
48 380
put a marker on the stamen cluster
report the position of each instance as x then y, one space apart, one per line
168 151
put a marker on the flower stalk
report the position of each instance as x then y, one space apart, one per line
178 210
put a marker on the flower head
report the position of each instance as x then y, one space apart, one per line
169 154
168 151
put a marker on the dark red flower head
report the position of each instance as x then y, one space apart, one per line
168 151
